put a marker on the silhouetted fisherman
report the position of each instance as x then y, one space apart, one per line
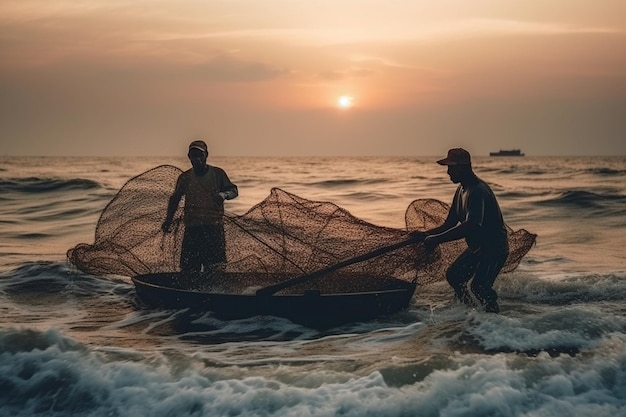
205 188
475 216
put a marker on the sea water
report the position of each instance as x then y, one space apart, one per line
74 344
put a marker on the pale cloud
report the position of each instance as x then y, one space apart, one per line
360 70
230 69
376 60
306 24
432 32
487 27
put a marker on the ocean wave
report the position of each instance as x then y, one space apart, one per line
514 194
205 328
568 290
513 170
560 315
29 235
349 182
38 185
38 277
48 374
606 172
28 340
567 330
585 199
36 280
551 168
536 172
366 196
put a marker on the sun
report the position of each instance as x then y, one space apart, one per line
345 102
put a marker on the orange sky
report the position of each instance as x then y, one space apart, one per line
263 77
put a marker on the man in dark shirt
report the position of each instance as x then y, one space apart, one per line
205 188
475 216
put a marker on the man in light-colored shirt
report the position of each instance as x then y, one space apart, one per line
205 189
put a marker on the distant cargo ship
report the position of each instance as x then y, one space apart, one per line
510 152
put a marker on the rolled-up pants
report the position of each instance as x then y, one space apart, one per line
483 269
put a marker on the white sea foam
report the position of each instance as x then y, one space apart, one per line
63 378
568 327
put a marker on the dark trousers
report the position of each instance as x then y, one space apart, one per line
483 269
203 246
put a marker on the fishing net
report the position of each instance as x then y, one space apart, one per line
283 236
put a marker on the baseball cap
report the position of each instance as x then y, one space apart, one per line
200 145
456 156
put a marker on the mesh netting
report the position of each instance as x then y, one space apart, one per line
283 236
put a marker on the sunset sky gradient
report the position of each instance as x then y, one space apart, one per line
263 77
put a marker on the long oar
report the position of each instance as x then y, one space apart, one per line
271 289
